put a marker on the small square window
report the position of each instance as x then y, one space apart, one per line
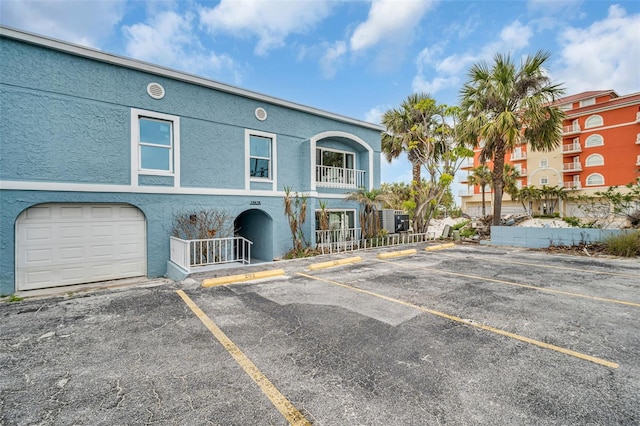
544 180
544 163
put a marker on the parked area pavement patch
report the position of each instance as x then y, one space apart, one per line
407 340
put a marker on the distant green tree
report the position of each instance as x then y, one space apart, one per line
481 176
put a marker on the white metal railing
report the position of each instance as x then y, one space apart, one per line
638 116
572 185
522 171
574 128
190 254
337 235
516 156
363 244
572 147
572 167
339 177
465 192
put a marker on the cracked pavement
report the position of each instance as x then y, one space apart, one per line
340 354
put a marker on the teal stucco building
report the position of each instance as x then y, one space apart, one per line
98 153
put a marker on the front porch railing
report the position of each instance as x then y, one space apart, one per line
193 254
329 245
338 177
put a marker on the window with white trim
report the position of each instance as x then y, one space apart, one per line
587 102
593 121
595 179
544 163
260 157
335 166
340 225
544 180
155 142
594 140
594 160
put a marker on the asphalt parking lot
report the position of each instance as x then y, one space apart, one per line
467 335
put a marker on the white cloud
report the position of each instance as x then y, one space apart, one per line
80 22
604 55
389 21
169 39
332 57
435 74
374 115
270 21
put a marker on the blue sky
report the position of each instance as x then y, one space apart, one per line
356 58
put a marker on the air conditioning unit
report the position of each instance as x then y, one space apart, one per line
393 221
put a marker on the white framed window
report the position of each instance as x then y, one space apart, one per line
260 156
155 145
593 121
335 158
544 163
340 226
565 107
594 140
594 160
595 179
544 180
587 102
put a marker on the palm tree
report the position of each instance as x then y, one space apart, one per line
369 218
507 105
407 130
481 175
526 193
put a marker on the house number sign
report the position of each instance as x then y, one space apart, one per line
254 203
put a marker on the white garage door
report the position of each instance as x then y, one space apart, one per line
65 244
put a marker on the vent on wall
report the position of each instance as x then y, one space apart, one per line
155 90
261 114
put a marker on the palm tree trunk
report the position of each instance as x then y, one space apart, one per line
415 172
484 212
498 182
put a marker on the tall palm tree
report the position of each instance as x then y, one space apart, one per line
506 105
407 130
481 175
526 193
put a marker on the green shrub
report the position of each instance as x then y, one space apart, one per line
626 245
467 233
460 225
573 221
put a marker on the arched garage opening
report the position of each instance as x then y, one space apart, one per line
62 244
257 227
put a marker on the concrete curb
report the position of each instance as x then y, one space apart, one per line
333 263
211 282
440 247
392 254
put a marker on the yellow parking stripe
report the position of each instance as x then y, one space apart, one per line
473 324
547 266
390 254
332 263
293 416
493 280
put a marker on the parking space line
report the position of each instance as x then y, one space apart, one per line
291 413
511 283
546 266
471 323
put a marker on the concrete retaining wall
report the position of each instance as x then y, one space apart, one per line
545 237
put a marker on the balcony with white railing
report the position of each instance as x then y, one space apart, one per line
572 185
195 255
571 148
574 166
568 130
521 172
465 192
338 177
638 139
638 117
518 156
638 161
